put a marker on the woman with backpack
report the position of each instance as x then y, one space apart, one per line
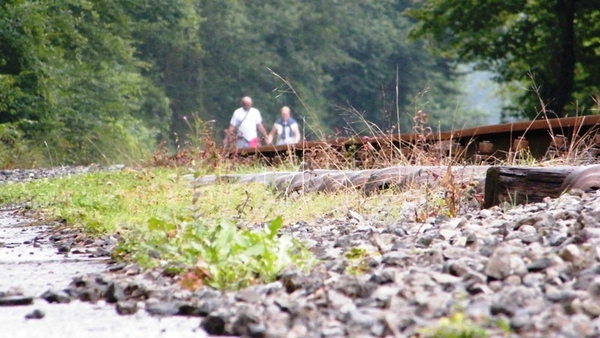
286 129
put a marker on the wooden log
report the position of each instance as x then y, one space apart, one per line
522 185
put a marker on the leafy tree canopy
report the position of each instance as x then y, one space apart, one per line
87 80
69 77
342 58
553 44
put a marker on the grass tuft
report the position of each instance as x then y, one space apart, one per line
455 326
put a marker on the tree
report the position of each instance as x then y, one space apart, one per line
385 75
87 78
70 79
335 54
166 35
552 43
246 44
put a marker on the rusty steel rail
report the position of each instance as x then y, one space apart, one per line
542 138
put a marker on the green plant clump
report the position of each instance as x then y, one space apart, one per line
223 256
152 211
455 326
102 202
357 263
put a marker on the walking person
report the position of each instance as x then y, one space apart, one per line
286 129
244 124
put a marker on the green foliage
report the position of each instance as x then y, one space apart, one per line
12 147
328 57
356 253
455 326
232 257
84 81
503 325
357 263
385 76
70 79
102 202
553 44
151 210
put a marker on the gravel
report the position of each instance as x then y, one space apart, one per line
33 277
534 267
20 175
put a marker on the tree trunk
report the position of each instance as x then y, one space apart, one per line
561 87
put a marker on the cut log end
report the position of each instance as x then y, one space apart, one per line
522 185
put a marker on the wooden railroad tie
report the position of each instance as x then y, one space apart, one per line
522 185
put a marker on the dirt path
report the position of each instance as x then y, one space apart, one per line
33 266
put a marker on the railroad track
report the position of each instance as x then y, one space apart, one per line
547 138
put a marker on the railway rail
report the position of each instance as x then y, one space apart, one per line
546 138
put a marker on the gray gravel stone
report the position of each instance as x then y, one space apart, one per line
384 276
163 308
214 324
398 258
533 266
499 264
520 320
248 295
539 265
56 296
16 300
570 253
425 240
579 325
126 308
35 314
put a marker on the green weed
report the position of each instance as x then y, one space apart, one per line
103 202
455 326
357 263
220 255
152 210
225 234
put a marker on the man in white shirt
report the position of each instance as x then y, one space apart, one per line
244 123
286 129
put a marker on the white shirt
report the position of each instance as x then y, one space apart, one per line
246 124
